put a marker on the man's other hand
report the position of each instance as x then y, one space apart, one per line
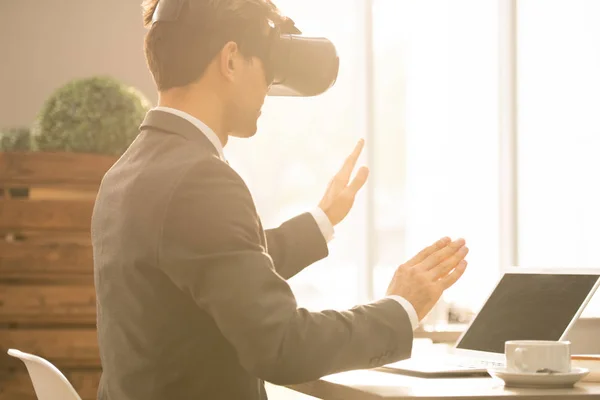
424 278
341 192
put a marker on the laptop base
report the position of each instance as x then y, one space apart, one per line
424 369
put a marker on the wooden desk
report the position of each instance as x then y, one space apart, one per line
375 385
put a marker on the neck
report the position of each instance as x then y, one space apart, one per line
204 105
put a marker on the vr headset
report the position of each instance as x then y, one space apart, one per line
297 65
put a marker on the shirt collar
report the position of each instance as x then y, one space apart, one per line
209 133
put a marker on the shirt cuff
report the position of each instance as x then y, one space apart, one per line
324 224
410 310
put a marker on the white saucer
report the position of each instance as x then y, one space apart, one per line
539 380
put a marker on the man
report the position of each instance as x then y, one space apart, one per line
192 296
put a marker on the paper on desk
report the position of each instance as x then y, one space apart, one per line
589 361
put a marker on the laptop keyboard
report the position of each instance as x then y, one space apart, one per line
473 364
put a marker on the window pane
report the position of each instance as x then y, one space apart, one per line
559 133
301 143
389 167
437 130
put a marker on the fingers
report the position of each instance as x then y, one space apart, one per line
423 254
435 259
450 279
350 163
449 263
349 192
358 181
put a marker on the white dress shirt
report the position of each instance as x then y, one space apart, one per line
318 214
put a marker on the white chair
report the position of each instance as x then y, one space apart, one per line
48 382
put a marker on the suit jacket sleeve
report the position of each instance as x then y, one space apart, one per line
211 249
295 245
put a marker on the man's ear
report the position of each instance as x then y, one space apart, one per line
227 61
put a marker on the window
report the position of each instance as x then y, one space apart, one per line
420 81
431 130
439 176
559 134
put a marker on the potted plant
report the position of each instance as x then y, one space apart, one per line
15 139
97 115
85 123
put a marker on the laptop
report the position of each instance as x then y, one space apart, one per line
525 304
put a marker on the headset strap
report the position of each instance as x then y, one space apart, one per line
168 10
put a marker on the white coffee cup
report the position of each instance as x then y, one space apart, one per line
538 356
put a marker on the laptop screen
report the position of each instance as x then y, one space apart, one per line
527 307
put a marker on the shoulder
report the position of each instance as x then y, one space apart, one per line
210 177
212 209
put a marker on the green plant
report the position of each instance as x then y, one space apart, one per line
91 115
15 139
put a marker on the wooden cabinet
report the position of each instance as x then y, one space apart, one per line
47 296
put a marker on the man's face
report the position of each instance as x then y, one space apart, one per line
247 97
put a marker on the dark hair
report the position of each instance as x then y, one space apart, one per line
178 52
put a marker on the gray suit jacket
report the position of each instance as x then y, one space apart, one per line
192 298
